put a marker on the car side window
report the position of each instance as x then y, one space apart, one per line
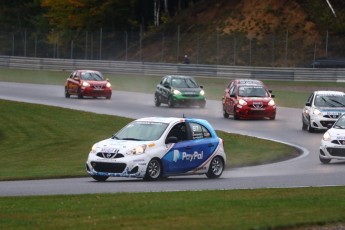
179 131
199 131
232 90
310 99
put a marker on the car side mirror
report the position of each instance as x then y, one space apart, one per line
272 95
201 86
166 85
233 95
308 104
270 90
171 139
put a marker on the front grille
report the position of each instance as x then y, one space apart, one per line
336 152
109 155
339 142
326 123
331 116
98 86
108 167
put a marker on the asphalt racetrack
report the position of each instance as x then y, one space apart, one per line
303 171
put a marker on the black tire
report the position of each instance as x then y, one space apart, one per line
100 178
216 167
157 101
324 160
171 102
225 114
67 95
304 126
236 117
80 95
154 170
273 117
309 128
108 98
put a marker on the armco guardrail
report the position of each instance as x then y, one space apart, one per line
142 68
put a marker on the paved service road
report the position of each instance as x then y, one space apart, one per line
305 170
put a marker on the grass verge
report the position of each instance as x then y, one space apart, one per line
232 209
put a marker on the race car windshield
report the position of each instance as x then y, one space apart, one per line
183 83
92 76
329 101
340 124
250 91
141 131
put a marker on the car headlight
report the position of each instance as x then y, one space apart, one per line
94 148
137 150
108 85
176 92
86 84
317 112
242 102
326 136
271 103
202 92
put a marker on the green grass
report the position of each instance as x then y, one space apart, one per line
38 141
226 209
287 93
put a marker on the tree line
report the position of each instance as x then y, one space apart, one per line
64 15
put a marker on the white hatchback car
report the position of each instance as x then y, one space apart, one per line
333 142
322 109
156 147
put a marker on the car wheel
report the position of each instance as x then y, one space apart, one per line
80 95
154 170
309 128
304 126
202 105
157 100
273 117
216 167
100 178
108 97
67 95
235 115
170 102
225 114
324 160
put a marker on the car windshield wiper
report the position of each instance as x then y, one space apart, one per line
339 126
337 102
114 137
131 139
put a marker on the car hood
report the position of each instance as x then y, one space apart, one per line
340 133
122 146
193 90
257 99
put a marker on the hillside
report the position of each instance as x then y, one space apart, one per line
251 32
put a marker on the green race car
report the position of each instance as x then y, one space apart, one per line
179 90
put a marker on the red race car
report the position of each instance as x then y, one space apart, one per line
88 83
248 99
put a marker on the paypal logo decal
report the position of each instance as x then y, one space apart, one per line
187 156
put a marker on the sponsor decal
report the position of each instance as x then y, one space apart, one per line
187 156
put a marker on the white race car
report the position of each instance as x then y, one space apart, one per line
322 109
155 147
333 142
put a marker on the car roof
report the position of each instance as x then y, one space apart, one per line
327 92
178 76
170 119
245 81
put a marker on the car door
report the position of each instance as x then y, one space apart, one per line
165 89
73 83
231 99
194 147
307 109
